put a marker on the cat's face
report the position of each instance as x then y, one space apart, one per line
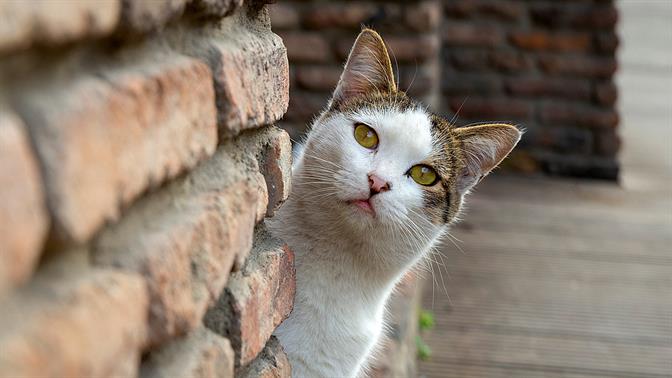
377 160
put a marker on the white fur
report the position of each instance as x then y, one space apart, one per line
347 262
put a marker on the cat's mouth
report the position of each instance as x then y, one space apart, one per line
364 205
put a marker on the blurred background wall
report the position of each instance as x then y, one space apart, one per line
546 66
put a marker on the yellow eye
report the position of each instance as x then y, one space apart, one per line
366 136
423 174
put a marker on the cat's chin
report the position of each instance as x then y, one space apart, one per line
364 206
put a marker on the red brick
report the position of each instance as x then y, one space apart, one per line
607 143
201 354
272 362
510 61
470 84
502 10
467 34
306 47
276 166
578 115
543 40
185 239
551 87
74 322
425 16
304 106
413 49
25 23
320 78
578 66
143 122
23 215
256 299
606 93
284 16
606 43
491 108
338 15
251 74
569 140
470 59
587 16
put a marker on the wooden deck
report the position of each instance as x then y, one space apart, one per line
564 278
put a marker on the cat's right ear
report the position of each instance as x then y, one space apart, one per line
368 69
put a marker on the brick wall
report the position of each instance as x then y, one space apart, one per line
545 65
139 160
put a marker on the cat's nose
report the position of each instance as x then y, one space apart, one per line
377 184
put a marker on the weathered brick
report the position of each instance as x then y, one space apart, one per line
185 239
306 47
469 60
272 362
338 15
256 299
467 34
146 15
470 84
142 122
606 43
24 23
275 162
577 89
495 108
578 165
607 143
544 40
509 61
251 73
585 66
320 78
502 10
305 105
562 139
201 354
23 215
606 93
577 115
284 16
588 16
74 322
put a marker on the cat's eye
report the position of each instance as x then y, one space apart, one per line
423 174
366 136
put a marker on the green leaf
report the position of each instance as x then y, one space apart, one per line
424 351
426 320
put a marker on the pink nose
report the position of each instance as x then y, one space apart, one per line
377 184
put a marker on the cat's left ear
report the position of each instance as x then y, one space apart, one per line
368 69
483 148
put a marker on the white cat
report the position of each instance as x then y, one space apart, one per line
377 185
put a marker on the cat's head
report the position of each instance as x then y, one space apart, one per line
377 160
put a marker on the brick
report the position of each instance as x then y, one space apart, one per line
74 322
305 105
510 61
577 115
284 16
338 15
49 22
186 238
607 143
606 93
467 34
587 16
425 16
216 8
275 163
251 73
578 165
606 42
419 80
500 10
256 299
147 15
307 47
23 215
470 84
582 66
414 49
142 123
272 362
571 140
551 87
543 40
201 354
469 60
494 108
320 78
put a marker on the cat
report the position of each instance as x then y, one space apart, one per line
377 184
